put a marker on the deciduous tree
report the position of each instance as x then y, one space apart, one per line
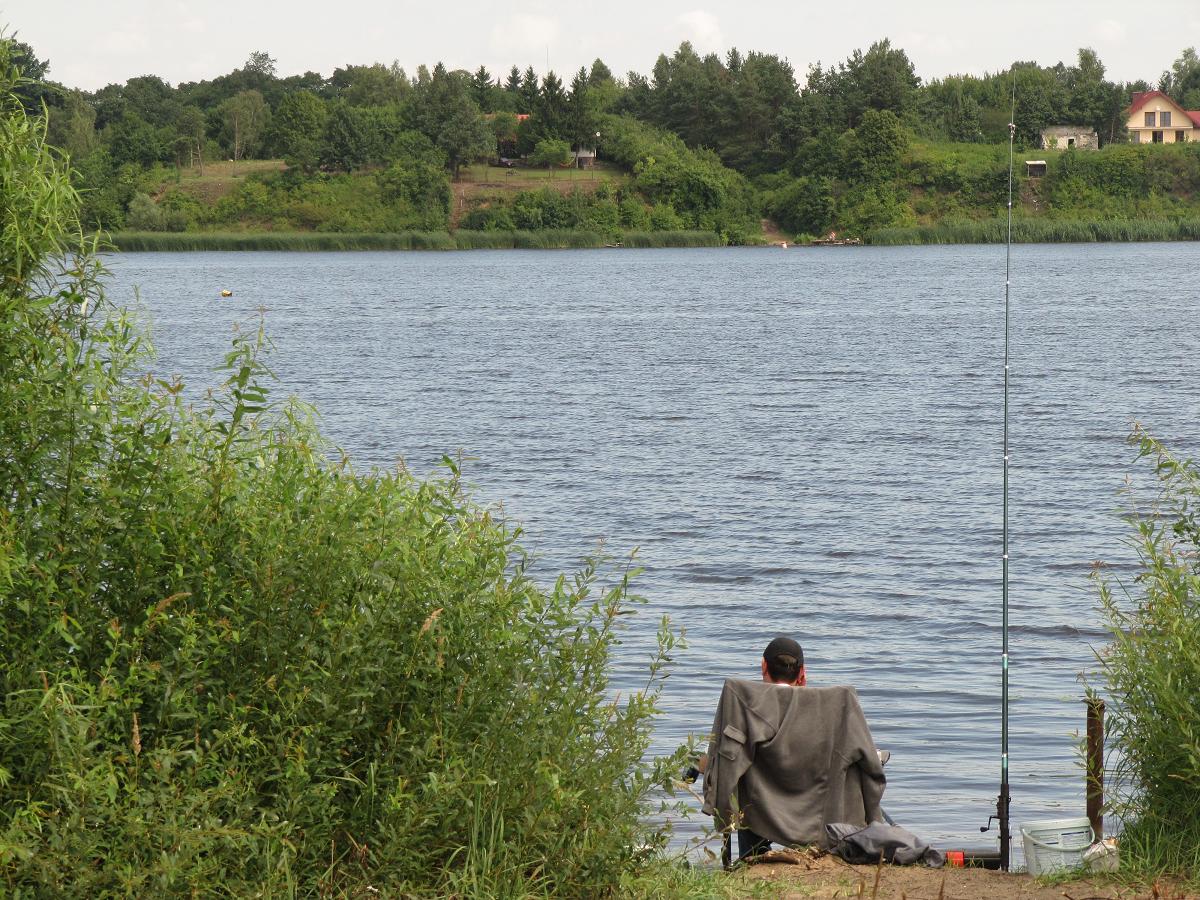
550 152
465 136
296 129
72 125
345 143
246 117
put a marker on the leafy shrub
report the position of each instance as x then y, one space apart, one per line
144 215
804 207
664 218
550 153
488 218
633 214
175 220
867 207
1152 671
232 663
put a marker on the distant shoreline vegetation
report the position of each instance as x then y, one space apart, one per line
1042 231
1025 231
550 239
735 146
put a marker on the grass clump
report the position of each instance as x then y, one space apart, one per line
141 241
463 239
1032 231
1152 670
671 239
233 664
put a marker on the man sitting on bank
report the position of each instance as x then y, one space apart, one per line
784 763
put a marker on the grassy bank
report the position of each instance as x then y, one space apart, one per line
551 239
1041 231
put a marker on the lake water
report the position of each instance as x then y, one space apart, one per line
804 441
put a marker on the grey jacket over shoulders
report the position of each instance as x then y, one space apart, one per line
790 761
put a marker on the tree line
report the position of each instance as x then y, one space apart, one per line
844 128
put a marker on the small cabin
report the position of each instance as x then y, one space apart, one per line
1035 168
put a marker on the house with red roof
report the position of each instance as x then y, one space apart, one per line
1154 118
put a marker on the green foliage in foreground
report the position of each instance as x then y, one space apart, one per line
232 664
549 239
1152 670
1041 231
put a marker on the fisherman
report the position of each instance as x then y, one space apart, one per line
782 664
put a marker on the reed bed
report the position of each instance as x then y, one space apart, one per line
671 239
1151 675
280 240
1041 231
549 239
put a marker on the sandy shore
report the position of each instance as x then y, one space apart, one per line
822 877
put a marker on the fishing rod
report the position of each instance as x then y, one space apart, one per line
1003 801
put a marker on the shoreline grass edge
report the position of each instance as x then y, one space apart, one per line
551 239
1041 231
1028 231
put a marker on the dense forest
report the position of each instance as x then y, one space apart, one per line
701 143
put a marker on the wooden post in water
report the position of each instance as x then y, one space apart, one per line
1095 765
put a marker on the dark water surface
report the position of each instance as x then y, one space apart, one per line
803 441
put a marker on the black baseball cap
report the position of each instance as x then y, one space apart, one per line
783 646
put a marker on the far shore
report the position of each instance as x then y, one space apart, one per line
994 231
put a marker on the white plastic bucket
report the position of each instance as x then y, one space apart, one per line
1055 845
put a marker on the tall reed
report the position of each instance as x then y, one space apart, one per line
994 231
670 239
547 239
279 240
1151 669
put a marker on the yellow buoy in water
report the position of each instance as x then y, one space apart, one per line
226 293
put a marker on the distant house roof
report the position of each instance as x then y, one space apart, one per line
1141 98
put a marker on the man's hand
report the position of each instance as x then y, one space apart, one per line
692 772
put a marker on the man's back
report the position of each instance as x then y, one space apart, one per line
791 760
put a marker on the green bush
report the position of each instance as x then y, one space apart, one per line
144 215
805 206
235 665
488 218
1152 672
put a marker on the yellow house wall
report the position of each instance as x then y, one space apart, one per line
1179 122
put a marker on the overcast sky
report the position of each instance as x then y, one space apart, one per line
91 43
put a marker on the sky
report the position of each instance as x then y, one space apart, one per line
91 43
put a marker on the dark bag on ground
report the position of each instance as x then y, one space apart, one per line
859 845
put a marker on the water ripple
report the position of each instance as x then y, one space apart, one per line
797 441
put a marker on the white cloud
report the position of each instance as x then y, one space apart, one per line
524 34
941 44
702 28
118 42
1109 30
